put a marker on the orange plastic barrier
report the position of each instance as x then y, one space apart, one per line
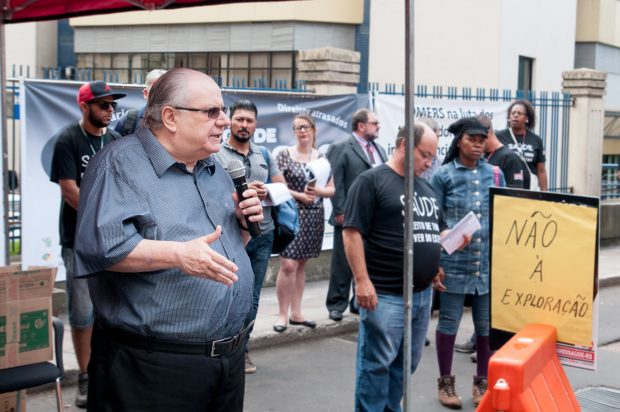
525 375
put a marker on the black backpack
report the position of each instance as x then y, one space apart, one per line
130 122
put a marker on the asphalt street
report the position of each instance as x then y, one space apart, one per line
317 375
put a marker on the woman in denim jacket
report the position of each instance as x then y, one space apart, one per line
462 185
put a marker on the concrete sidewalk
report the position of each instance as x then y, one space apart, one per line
314 308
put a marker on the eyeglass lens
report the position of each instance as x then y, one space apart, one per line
107 105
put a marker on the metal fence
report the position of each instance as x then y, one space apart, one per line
552 113
610 181
14 167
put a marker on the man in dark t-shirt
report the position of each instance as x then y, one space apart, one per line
75 146
497 154
373 240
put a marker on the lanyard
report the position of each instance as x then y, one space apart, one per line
92 148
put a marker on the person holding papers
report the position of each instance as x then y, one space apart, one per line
307 191
462 186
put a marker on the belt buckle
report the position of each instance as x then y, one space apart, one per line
213 354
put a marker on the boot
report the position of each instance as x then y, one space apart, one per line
478 389
447 393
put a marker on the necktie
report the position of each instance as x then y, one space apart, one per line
370 150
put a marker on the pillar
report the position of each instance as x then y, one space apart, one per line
329 70
585 149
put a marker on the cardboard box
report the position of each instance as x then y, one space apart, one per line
8 401
25 315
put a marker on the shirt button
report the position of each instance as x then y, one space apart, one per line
475 171
477 203
206 203
478 215
476 182
476 193
477 273
478 240
477 253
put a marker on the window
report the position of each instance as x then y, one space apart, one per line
241 69
526 73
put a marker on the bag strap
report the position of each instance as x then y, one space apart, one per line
265 153
496 175
130 121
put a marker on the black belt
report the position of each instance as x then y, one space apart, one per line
220 347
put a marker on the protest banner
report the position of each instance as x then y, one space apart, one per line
48 106
543 260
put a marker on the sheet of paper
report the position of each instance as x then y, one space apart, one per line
321 169
466 226
278 193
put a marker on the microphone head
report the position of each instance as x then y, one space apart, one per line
236 169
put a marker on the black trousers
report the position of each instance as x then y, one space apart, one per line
340 276
124 378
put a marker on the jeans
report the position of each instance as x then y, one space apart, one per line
259 251
81 312
379 363
451 311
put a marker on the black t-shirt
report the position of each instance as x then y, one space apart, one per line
510 164
531 148
72 152
375 207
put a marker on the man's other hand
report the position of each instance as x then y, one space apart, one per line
366 295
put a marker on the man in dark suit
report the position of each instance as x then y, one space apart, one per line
348 157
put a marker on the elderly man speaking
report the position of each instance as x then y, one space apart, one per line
160 237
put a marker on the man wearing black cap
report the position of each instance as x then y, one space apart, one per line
76 145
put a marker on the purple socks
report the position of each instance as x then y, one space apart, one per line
445 350
484 353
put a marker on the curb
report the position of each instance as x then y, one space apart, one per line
324 328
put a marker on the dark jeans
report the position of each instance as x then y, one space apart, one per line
259 250
340 276
123 378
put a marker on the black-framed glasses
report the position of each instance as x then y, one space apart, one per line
105 105
302 128
212 113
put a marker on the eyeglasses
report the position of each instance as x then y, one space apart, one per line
248 167
302 128
212 113
425 155
375 123
105 105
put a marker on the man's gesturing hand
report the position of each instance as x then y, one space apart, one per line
198 259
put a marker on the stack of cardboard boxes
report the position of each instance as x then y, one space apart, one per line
25 319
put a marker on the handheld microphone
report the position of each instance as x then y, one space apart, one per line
237 174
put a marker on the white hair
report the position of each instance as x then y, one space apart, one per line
152 76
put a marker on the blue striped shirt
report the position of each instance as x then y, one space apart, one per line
134 190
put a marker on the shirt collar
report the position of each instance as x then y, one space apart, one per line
459 165
361 140
162 160
252 150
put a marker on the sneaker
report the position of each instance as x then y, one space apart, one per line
249 365
466 347
478 389
81 397
447 393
